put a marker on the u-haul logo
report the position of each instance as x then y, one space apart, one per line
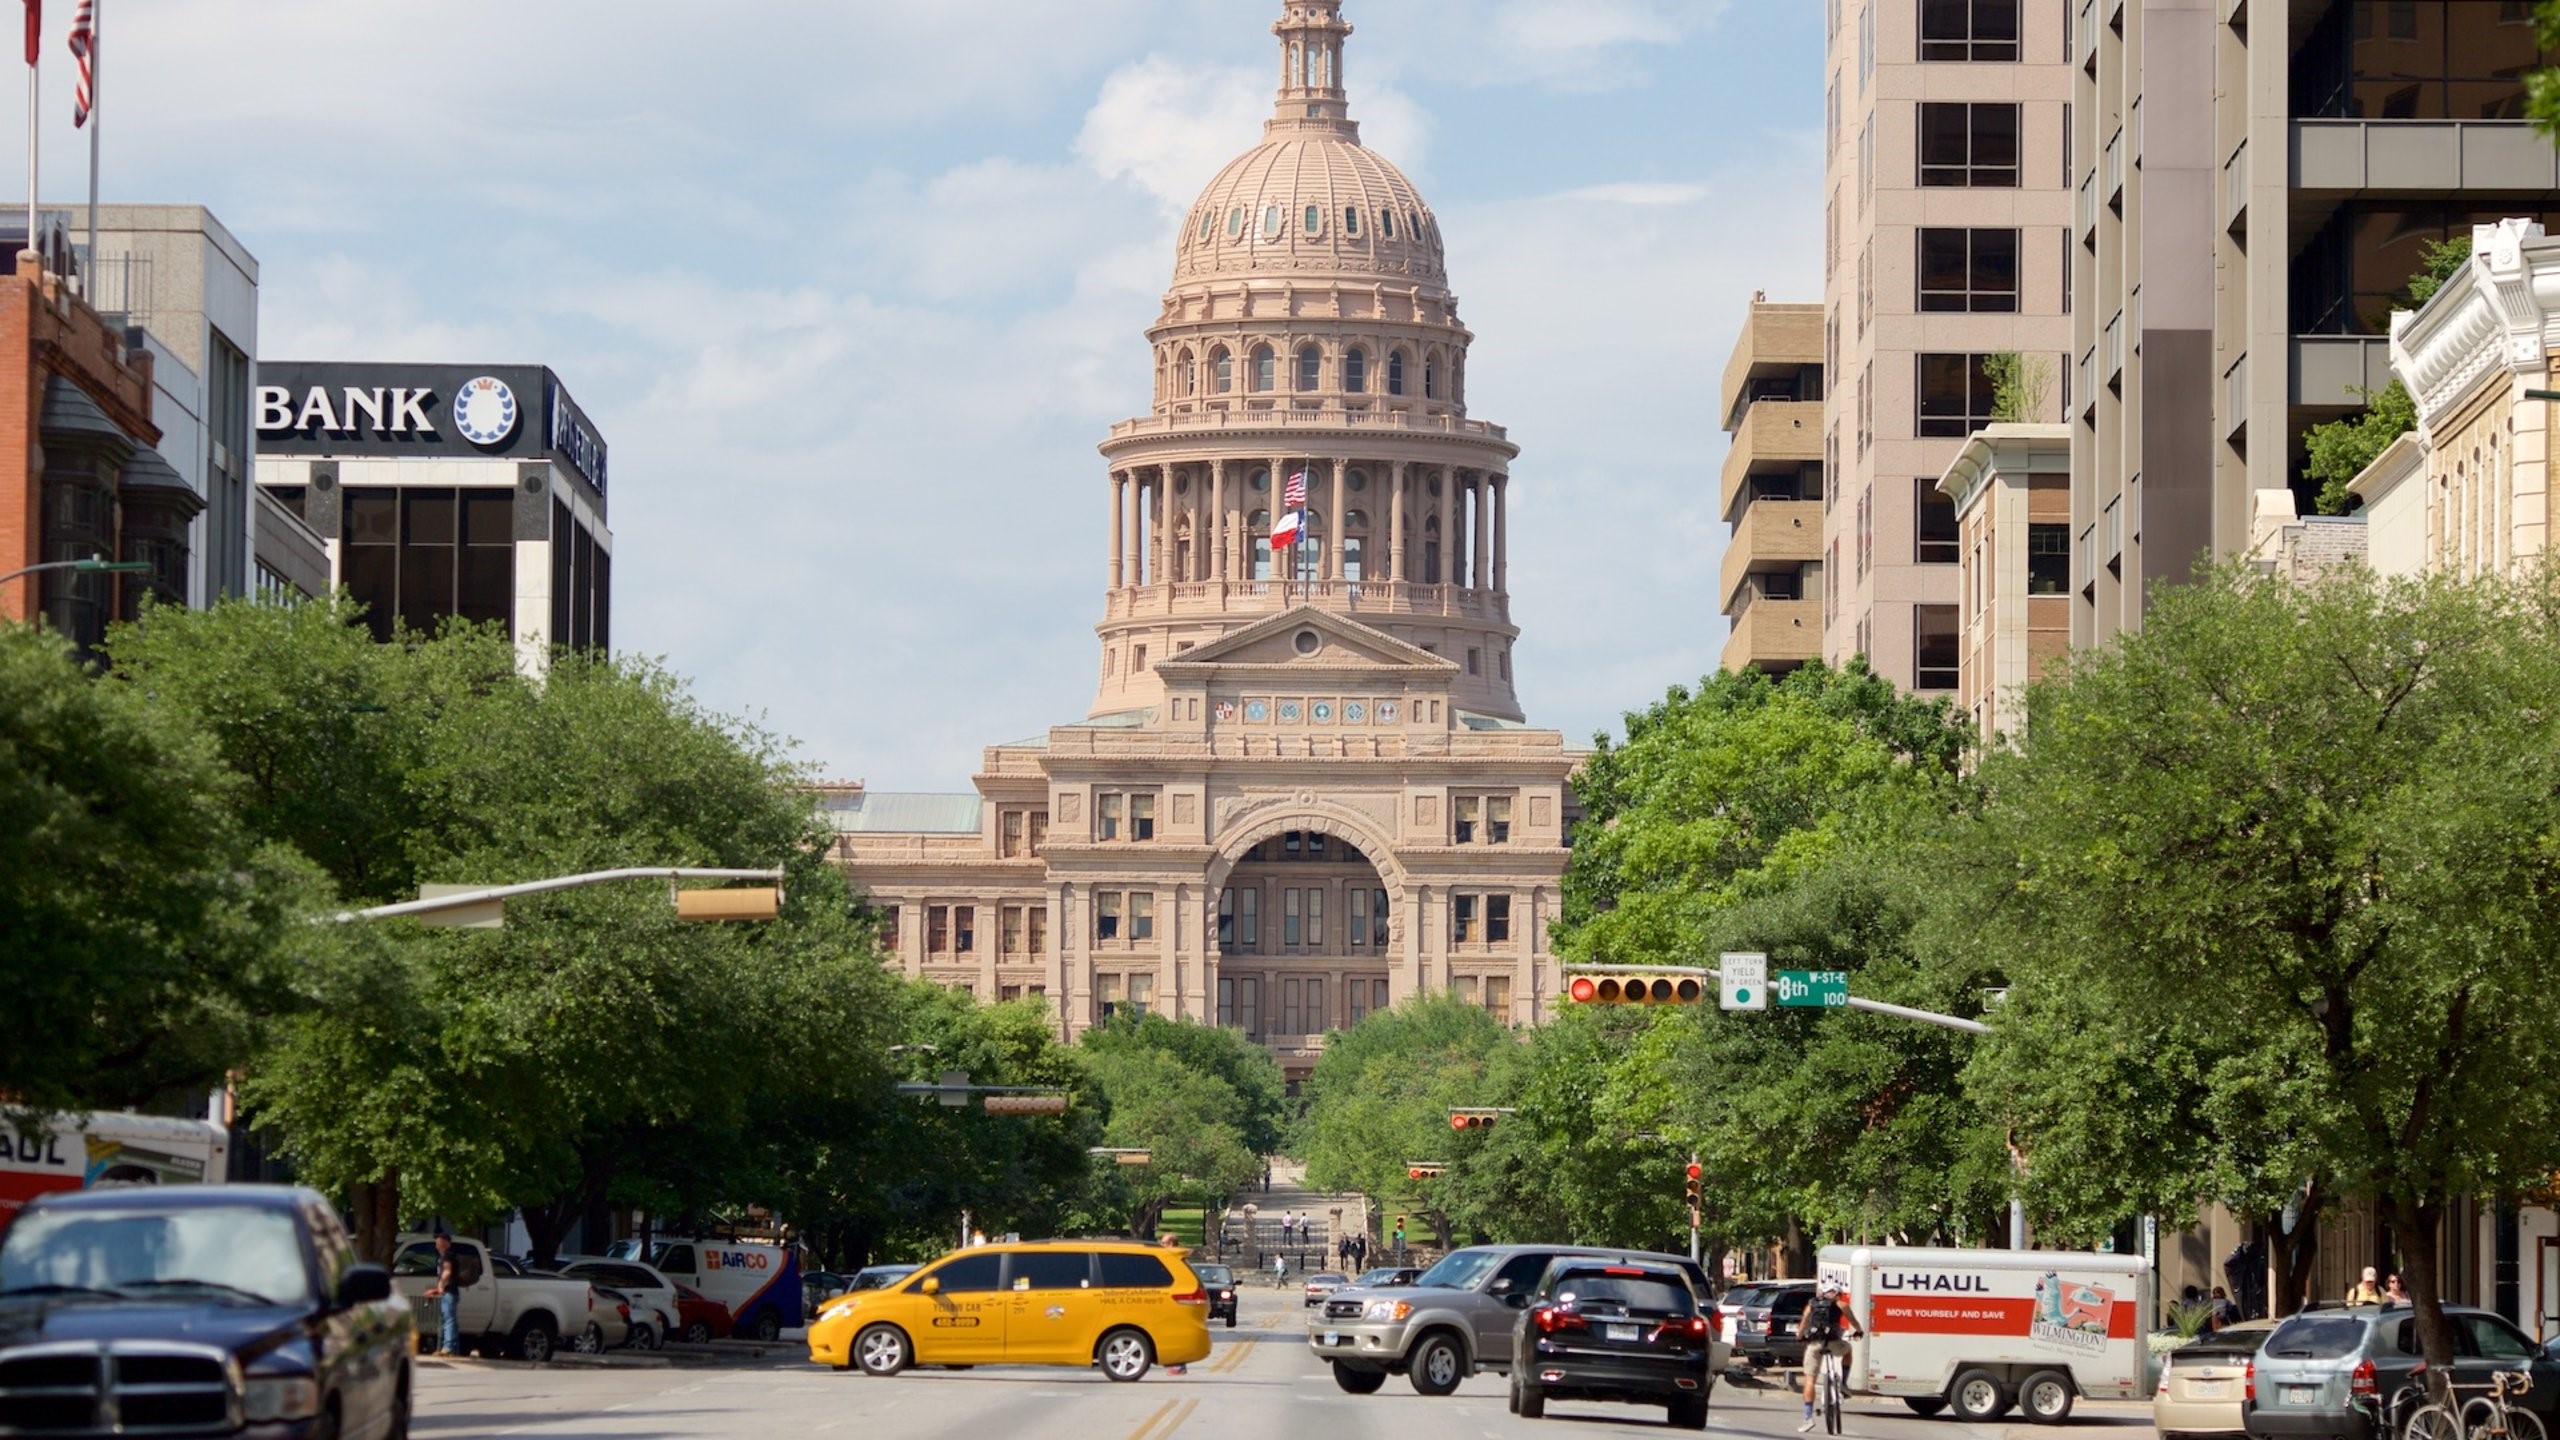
1926 1283
736 1260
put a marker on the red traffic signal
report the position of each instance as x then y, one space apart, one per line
1696 1170
1635 990
1478 1119
1423 1170
1584 990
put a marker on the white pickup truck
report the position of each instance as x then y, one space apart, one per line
503 1310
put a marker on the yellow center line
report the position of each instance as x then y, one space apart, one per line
1151 1429
1235 1356
1149 1424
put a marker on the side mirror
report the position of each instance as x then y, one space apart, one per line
931 1286
1516 1302
1501 1286
363 1285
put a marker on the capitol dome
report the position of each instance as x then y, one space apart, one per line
1310 198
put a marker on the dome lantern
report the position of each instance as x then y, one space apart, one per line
1311 92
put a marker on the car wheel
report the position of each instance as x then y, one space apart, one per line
1125 1355
590 1341
1979 1396
1689 1412
399 1427
1926 1405
1436 1365
643 1337
1357 1380
768 1327
533 1341
699 1332
1532 1402
881 1350
2046 1397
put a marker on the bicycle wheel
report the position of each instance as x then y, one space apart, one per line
2433 1422
1832 1383
2523 1424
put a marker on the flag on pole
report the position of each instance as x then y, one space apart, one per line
84 47
35 30
1291 525
1293 496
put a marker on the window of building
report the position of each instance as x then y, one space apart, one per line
1430 378
1010 993
1475 660
1235 222
1351 221
1266 368
1239 921
1497 996
1867 44
1357 931
1355 1001
1976 30
1497 919
1387 223
1009 931
1956 394
2048 559
1315 219
1355 371
1121 813
1462 919
1107 907
1463 987
1782 584
1937 541
1039 927
1315 919
2414 60
1395 372
1106 993
1310 366
1222 370
937 929
1142 915
1270 222
1466 813
964 929
1968 145
1292 921
1142 991
1934 652
1974 270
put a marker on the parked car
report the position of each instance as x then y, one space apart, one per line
1220 1282
227 1310
654 1303
699 1318
1455 1319
817 1287
1633 1334
880 1277
1384 1276
1118 1305
504 1307
1323 1283
2203 1382
609 1323
2314 1366
1746 1297
1768 1333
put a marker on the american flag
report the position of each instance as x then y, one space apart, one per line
1293 496
84 48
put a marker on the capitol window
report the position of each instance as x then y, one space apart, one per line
1430 379
1355 371
1395 372
1270 222
1387 223
1235 222
1310 366
1222 370
1351 221
1207 218
1266 368
1315 220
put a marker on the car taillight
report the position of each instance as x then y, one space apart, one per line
2361 1380
591 1297
625 1309
1194 1296
2249 1382
1551 1318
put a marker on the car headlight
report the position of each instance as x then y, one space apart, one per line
295 1397
1387 1310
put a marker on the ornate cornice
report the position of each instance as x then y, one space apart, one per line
2500 312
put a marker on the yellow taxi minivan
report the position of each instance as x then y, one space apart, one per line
1116 1304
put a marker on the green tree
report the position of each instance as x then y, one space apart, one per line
1380 1098
1261 1091
2020 384
148 929
2300 840
1186 1119
2341 449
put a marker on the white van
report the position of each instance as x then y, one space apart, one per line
108 1148
758 1280
1983 1330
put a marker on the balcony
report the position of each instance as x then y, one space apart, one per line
2115 169
1208 598
2087 46
2087 209
2235 191
1788 431
1775 337
1773 534
2422 157
1773 633
2115 349
2235 399
1371 421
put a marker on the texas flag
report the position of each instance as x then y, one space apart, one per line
1292 525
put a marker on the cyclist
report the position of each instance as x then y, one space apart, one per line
1826 1328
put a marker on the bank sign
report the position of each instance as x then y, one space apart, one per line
504 412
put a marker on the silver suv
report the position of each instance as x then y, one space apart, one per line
2324 1372
1455 1319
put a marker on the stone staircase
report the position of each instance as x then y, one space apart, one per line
1252 1235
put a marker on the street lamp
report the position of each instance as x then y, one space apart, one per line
86 565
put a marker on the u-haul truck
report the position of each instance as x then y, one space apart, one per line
1983 1330
76 1152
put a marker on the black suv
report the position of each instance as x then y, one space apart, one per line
1220 1282
202 1310
1638 1334
1768 1326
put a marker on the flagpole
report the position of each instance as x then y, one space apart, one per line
90 284
31 152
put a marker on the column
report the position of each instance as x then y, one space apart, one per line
1448 525
1218 515
1502 533
1155 529
1119 526
1480 553
1338 523
1280 570
1395 524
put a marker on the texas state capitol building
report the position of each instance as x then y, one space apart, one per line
1297 797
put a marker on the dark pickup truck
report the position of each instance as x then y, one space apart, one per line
196 1311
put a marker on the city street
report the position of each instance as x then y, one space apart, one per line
1260 1384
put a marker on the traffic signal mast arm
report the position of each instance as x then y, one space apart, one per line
1681 985
467 898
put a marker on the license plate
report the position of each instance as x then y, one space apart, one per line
1333 1337
2302 1394
1622 1332
2207 1389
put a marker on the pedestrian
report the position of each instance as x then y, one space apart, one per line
2392 1294
2225 1313
1360 1251
447 1293
1342 1252
2367 1291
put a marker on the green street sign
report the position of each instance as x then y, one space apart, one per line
1812 987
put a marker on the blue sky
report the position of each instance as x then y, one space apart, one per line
853 288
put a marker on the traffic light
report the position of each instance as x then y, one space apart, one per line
1026 1104
1476 1118
1697 1184
1422 1170
1635 990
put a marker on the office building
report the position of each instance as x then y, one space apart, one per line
1945 244
2257 182
475 491
1304 789
2011 488
1772 489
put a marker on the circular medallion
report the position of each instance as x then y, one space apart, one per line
1323 710
1355 712
1288 709
1387 711
1256 711
484 410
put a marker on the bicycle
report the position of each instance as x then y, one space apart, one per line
1832 1381
2496 1417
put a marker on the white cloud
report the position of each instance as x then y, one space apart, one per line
1169 125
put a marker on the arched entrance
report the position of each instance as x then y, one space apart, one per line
1305 933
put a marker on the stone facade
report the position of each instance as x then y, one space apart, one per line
2011 485
1772 490
1304 790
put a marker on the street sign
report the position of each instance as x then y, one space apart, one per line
1746 980
1813 987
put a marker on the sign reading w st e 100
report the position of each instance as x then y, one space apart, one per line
467 411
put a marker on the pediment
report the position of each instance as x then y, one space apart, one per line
1283 641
